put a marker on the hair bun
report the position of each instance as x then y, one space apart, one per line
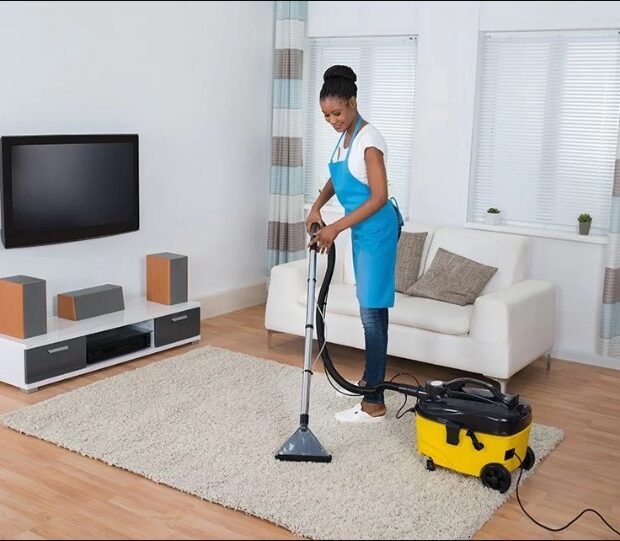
345 72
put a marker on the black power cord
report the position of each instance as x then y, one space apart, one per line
549 528
399 415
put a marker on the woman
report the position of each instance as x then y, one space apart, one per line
359 181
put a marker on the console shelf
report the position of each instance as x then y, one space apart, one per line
61 353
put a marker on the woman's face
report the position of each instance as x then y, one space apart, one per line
339 113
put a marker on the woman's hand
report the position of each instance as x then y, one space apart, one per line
325 238
314 216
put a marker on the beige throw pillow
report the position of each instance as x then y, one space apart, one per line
409 258
452 278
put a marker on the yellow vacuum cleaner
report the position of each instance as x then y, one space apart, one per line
468 426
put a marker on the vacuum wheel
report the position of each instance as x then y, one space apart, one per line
529 459
430 465
496 476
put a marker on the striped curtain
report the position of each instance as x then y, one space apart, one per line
609 334
286 236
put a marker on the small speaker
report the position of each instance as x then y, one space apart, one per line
166 278
23 307
90 302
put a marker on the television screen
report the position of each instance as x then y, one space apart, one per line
60 188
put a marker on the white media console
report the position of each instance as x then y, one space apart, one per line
72 348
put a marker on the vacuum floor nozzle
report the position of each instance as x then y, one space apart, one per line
303 446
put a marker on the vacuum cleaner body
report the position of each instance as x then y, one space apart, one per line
475 431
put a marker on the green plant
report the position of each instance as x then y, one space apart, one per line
493 210
584 217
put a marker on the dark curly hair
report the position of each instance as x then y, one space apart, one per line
339 82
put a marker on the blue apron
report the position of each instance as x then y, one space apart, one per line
374 240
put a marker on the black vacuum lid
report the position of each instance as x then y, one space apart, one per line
477 410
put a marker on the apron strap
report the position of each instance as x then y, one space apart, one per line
336 147
355 131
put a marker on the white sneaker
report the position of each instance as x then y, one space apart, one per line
357 415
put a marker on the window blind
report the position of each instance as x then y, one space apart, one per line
385 67
546 127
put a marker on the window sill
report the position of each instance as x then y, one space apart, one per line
535 232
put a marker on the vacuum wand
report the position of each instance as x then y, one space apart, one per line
309 334
303 445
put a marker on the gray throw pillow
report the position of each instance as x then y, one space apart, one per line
452 278
409 258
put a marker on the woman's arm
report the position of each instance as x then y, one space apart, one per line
326 194
314 215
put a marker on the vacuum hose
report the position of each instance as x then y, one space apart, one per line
432 389
410 390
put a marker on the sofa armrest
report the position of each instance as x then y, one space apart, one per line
516 312
288 279
287 283
521 316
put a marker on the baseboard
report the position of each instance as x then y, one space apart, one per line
230 300
585 358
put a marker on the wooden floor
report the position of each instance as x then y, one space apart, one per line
47 492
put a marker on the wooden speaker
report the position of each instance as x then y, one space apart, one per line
90 302
23 307
166 278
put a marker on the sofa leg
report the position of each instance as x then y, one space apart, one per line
270 339
503 383
548 361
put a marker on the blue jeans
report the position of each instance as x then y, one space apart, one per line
375 322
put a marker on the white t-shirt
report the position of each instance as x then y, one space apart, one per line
368 136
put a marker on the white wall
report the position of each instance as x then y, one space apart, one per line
496 16
447 55
194 81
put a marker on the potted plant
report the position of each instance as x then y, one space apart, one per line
585 220
492 216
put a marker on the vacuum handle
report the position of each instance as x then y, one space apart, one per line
314 229
458 384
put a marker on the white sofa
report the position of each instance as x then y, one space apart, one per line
510 324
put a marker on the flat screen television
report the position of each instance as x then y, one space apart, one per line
61 188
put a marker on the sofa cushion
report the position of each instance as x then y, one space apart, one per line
505 251
427 314
409 258
431 315
452 278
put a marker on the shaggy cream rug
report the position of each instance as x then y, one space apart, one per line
210 421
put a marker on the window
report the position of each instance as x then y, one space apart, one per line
546 129
385 69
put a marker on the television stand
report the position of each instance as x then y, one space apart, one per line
73 348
